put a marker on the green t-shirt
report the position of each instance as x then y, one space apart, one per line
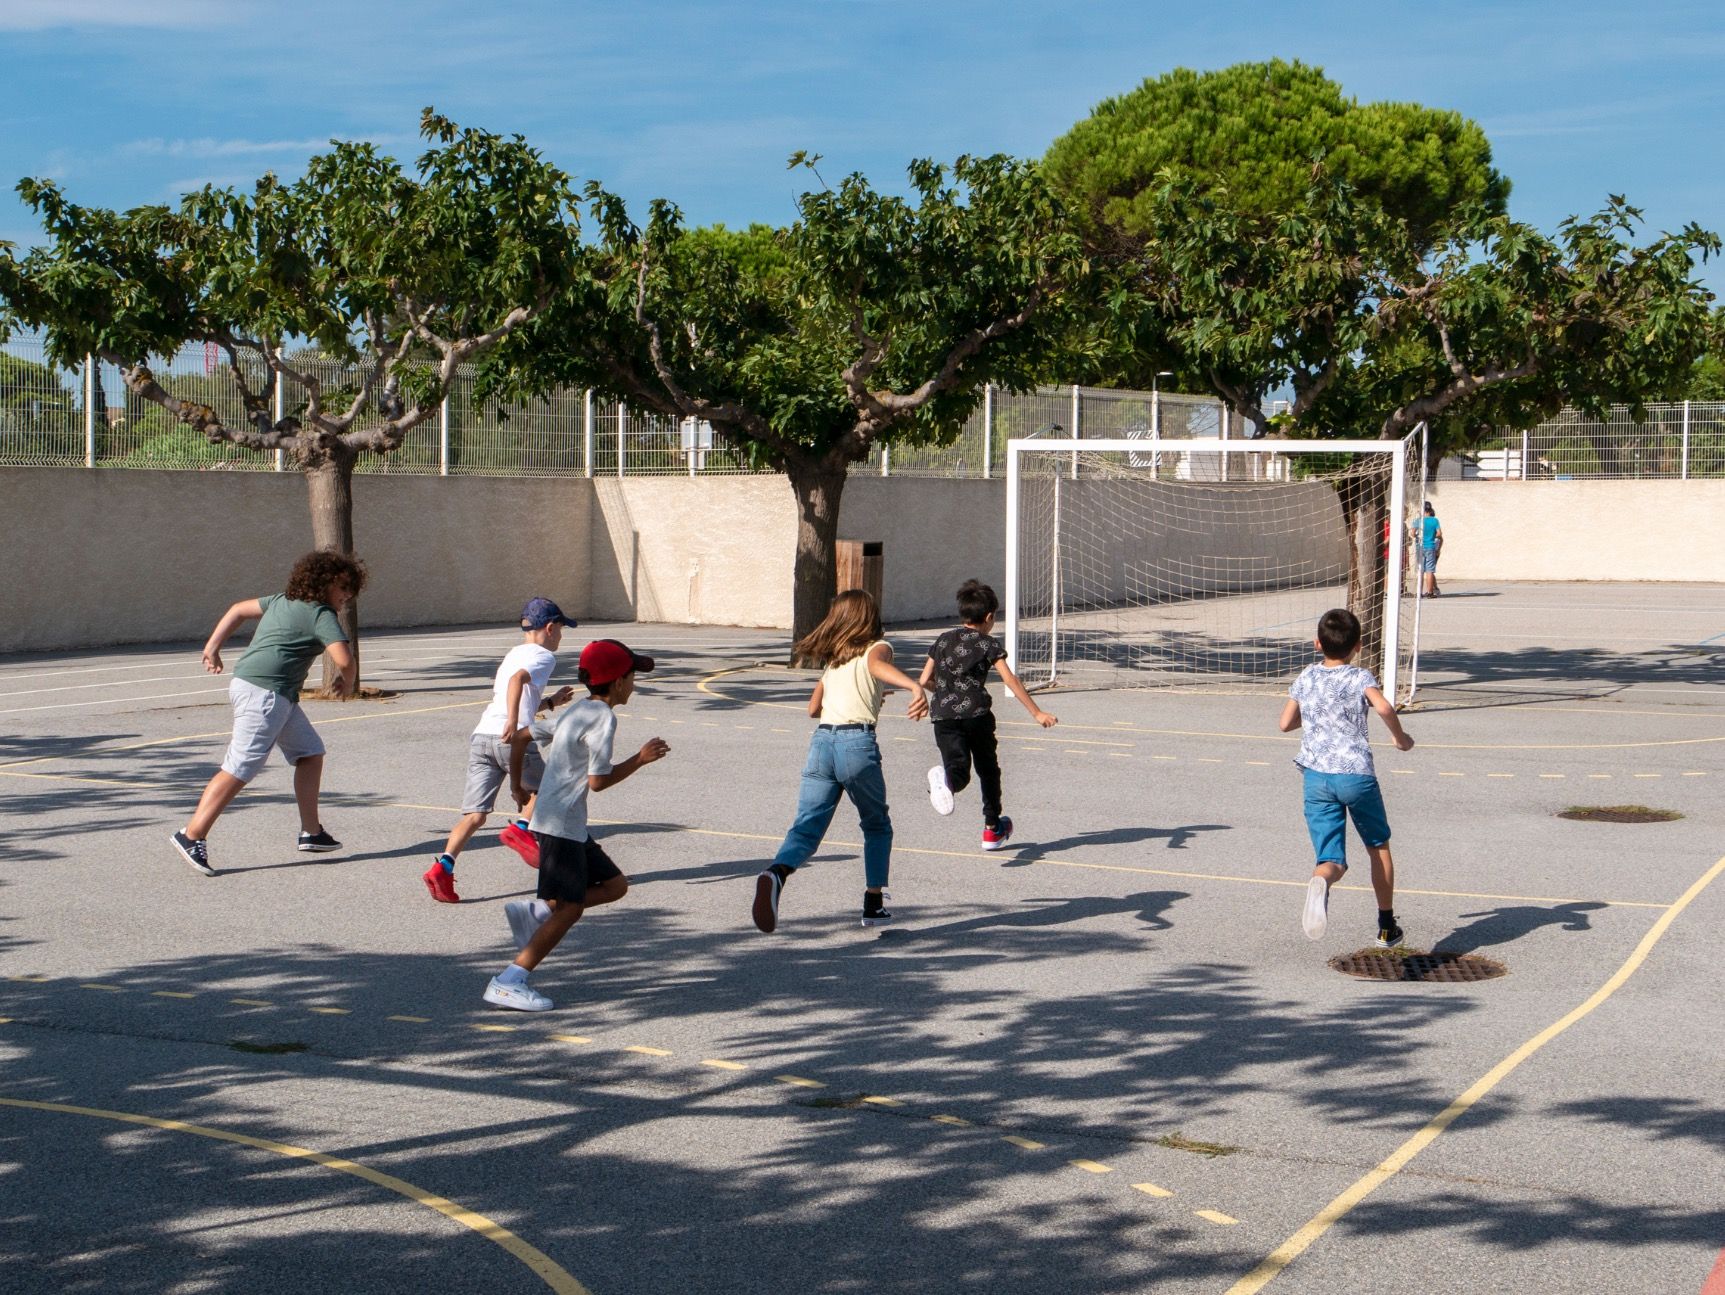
291 635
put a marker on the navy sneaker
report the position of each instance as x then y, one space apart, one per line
196 853
318 842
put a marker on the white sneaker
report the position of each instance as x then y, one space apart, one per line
524 921
1317 916
939 794
522 997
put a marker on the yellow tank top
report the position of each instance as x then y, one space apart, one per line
850 694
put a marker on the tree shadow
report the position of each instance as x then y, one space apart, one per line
1176 838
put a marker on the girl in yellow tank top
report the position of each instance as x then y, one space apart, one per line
844 758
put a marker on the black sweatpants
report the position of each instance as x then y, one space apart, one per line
967 742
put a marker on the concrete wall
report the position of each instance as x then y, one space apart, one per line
938 533
112 556
1582 530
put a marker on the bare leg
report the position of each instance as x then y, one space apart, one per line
1383 876
550 933
463 833
1330 872
218 795
606 892
307 778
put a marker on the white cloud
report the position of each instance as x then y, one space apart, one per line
37 15
208 147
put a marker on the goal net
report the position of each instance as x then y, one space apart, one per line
1205 564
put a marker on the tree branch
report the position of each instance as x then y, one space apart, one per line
142 383
1428 407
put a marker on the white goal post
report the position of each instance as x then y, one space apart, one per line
1205 563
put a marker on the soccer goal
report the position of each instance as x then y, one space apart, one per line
1205 564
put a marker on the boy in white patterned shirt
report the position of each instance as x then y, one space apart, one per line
1328 702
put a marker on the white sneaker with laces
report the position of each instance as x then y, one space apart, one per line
1317 915
939 794
522 997
524 921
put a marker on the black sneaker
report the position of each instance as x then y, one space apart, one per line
874 909
767 888
1390 936
196 853
318 842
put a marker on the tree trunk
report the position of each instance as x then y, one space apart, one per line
818 486
1364 508
330 484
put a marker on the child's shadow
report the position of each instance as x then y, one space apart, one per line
1147 906
1176 837
1511 922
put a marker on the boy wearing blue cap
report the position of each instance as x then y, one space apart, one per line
516 695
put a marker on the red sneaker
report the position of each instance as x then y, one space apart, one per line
522 843
441 884
998 835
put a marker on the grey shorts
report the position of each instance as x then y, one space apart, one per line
488 770
265 719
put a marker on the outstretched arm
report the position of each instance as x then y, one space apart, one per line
655 749
1386 712
231 620
1017 689
881 667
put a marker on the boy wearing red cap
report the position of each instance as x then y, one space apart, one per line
575 873
495 749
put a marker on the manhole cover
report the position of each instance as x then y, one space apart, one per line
1619 814
1447 968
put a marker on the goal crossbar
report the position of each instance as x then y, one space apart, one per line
1396 452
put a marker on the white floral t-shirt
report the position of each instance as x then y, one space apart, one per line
1333 710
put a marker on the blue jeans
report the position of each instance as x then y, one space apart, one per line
842 761
1330 799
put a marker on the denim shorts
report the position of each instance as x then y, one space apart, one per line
1330 799
264 719
1428 559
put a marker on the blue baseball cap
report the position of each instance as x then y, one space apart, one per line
541 612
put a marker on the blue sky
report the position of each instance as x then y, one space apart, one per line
133 101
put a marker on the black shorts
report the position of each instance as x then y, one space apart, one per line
567 868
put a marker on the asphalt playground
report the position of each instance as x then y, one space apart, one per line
1105 1059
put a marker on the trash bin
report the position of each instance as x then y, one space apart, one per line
862 565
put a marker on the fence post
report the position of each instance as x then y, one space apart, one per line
443 437
1683 470
622 425
1521 468
987 430
587 430
694 442
885 460
1077 426
89 411
279 410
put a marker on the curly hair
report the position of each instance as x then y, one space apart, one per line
312 575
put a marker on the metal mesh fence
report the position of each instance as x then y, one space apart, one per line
53 417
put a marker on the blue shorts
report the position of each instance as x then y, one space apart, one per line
1330 798
1428 559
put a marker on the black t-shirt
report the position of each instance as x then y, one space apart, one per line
962 659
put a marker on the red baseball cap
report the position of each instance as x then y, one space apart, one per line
606 660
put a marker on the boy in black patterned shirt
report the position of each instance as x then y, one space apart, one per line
962 712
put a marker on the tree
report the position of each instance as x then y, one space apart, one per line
396 278
871 320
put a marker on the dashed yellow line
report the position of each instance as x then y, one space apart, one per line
1216 1216
1029 1144
331 1011
92 984
646 1051
252 1002
493 1029
954 1120
1091 1166
171 993
411 1020
799 1081
718 1064
1151 1189
571 1038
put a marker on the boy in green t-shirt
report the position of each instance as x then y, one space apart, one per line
294 629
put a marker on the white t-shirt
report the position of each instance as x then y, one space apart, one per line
538 663
1333 719
575 743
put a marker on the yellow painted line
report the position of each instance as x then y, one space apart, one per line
1599 775
1071 741
1695 773
1552 775
1403 772
1266 764
883 1101
950 1119
92 984
333 1011
718 1064
170 993
1450 773
747 727
1072 750
252 1002
29 980
412 1020
1500 775
1326 1218
1164 757
495 1029
1151 1189
1647 775
1206 759
799 1081
779 730
1091 1166
1216 1216
645 1051
706 723
1029 1144
1119 755
896 739
541 1264
571 1038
